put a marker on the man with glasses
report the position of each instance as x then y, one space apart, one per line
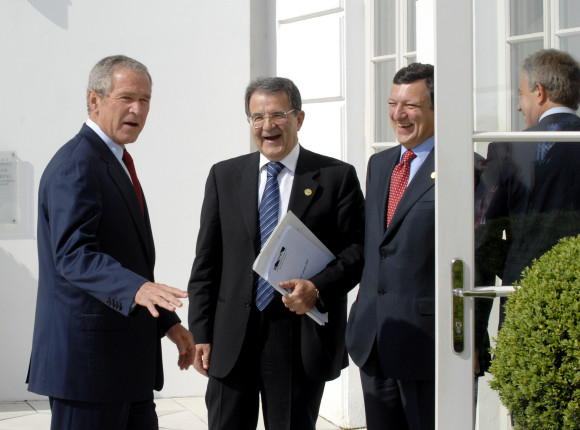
250 340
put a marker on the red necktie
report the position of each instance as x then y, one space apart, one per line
399 180
128 160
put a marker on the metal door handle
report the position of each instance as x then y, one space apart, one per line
458 323
484 292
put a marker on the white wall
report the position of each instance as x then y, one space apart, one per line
199 56
321 48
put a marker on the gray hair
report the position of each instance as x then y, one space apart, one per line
101 76
274 85
558 72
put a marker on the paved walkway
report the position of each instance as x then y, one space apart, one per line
174 414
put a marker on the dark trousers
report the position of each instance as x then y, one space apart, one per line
270 365
396 404
75 415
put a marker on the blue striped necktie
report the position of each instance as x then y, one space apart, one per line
268 219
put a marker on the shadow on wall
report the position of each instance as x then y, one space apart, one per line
55 10
17 309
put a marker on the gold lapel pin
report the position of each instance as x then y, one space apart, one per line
307 192
433 175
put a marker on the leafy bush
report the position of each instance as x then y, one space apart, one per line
536 368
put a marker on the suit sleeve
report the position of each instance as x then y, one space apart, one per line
72 208
206 271
344 273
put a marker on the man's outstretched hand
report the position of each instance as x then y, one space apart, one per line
151 294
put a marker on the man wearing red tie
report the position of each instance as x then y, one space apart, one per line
96 349
391 327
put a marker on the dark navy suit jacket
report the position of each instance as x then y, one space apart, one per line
396 299
535 201
95 250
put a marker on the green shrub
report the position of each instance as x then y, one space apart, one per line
536 368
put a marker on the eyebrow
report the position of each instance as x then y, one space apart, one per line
271 113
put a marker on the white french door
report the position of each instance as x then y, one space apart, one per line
454 209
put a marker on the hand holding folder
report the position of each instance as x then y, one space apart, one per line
293 252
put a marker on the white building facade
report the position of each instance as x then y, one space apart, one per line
342 54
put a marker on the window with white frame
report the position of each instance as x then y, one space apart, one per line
533 25
392 46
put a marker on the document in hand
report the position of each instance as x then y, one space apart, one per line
293 252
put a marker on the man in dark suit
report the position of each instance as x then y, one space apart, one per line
531 190
96 349
249 345
391 326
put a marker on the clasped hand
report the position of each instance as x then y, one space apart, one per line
302 297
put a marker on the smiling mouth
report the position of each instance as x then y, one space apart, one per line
405 125
271 138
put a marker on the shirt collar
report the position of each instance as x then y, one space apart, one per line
289 161
421 150
558 109
114 147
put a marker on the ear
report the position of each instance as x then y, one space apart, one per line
541 94
93 100
300 119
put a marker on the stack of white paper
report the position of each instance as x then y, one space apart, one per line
293 252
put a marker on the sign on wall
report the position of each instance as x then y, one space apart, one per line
8 188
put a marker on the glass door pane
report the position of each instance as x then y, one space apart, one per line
526 16
385 25
384 73
571 44
411 25
569 13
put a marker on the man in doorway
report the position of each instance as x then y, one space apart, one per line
529 194
96 349
250 340
391 327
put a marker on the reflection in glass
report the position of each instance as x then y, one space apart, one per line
519 51
527 199
569 14
571 44
526 16
384 73
411 25
385 27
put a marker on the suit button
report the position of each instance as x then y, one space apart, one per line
380 292
383 255
247 303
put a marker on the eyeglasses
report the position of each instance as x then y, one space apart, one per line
258 120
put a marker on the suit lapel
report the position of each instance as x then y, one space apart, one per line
247 194
421 183
120 178
305 184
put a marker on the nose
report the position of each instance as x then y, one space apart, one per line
268 124
136 107
397 112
